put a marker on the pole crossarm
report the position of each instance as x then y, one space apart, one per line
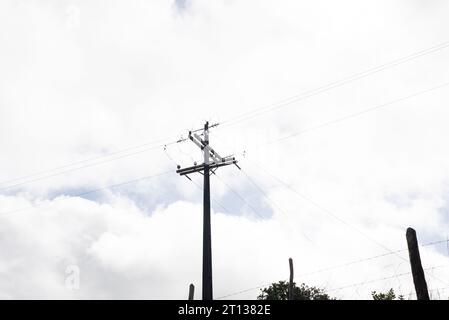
199 168
211 157
203 145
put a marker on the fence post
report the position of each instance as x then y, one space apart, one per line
415 261
290 284
191 291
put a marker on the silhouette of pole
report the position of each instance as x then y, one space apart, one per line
207 245
417 270
290 283
191 291
212 161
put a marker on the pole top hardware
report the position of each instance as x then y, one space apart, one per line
208 126
211 158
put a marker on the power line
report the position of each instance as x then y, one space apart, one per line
90 159
439 289
339 219
365 259
239 196
344 222
245 290
5 213
325 124
310 93
272 202
327 269
359 113
382 279
252 208
243 116
340 120
269 107
321 208
213 198
74 169
80 167
345 117
236 119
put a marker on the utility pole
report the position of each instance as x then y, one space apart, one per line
191 291
290 283
419 278
212 161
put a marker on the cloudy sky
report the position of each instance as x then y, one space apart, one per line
337 113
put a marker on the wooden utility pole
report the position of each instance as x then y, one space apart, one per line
415 262
212 161
207 245
191 291
290 284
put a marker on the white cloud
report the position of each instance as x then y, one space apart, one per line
124 253
118 246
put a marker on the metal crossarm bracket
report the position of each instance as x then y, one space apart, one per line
200 167
211 157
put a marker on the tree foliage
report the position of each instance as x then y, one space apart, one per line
389 295
279 291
